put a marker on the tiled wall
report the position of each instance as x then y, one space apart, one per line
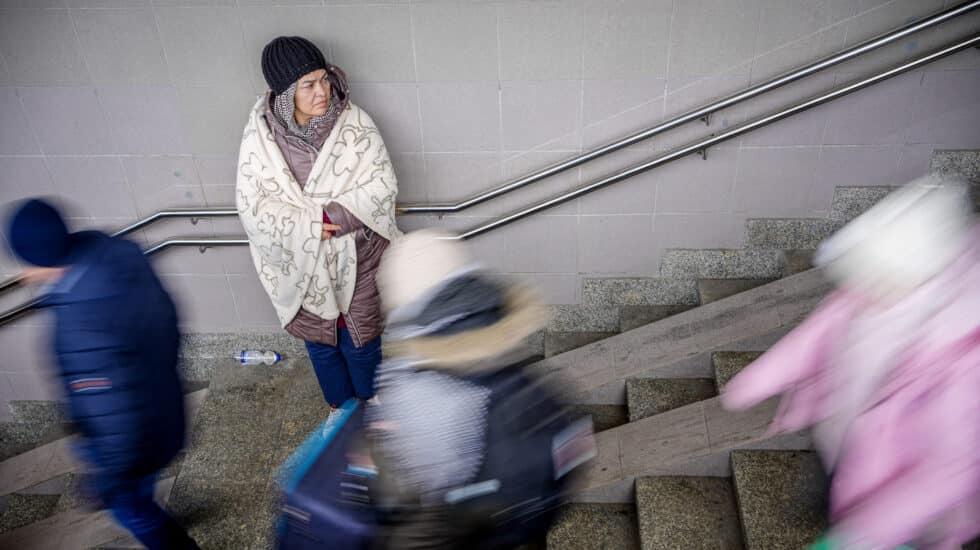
124 107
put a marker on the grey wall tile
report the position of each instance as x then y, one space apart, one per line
543 244
797 52
874 116
627 38
204 46
805 128
859 166
699 230
196 3
613 109
452 177
163 182
40 48
16 135
541 40
412 181
394 107
254 307
946 110
23 177
215 117
121 46
145 120
188 260
386 56
109 3
697 47
913 162
204 302
67 121
696 185
687 94
237 259
874 20
775 182
617 244
637 195
96 184
783 22
460 116
517 165
5 78
283 3
33 385
217 175
455 41
217 170
542 115
36 4
554 288
262 24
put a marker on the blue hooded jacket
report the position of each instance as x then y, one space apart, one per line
116 341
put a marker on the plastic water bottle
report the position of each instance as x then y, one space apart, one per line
254 357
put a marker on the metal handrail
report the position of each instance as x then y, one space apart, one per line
191 213
700 113
28 306
704 143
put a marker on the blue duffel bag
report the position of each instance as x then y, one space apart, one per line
326 503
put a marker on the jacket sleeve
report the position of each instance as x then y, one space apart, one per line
94 361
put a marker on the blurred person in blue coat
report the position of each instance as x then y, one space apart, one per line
116 343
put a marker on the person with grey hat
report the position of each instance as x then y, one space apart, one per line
473 448
316 194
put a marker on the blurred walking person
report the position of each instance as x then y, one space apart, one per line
116 344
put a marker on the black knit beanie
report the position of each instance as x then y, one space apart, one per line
287 58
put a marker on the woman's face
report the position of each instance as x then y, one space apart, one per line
312 96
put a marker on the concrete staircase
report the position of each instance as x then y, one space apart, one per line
645 357
689 278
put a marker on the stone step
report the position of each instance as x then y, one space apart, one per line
850 202
55 459
782 498
638 291
594 527
604 417
693 440
36 412
679 346
712 290
964 163
682 263
253 419
693 513
20 437
560 342
797 261
729 363
794 233
76 529
631 317
18 510
649 396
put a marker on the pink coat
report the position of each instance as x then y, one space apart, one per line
907 462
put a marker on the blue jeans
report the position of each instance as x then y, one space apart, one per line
345 370
131 503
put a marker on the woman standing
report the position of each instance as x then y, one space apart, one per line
316 195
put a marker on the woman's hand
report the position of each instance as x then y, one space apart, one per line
328 230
